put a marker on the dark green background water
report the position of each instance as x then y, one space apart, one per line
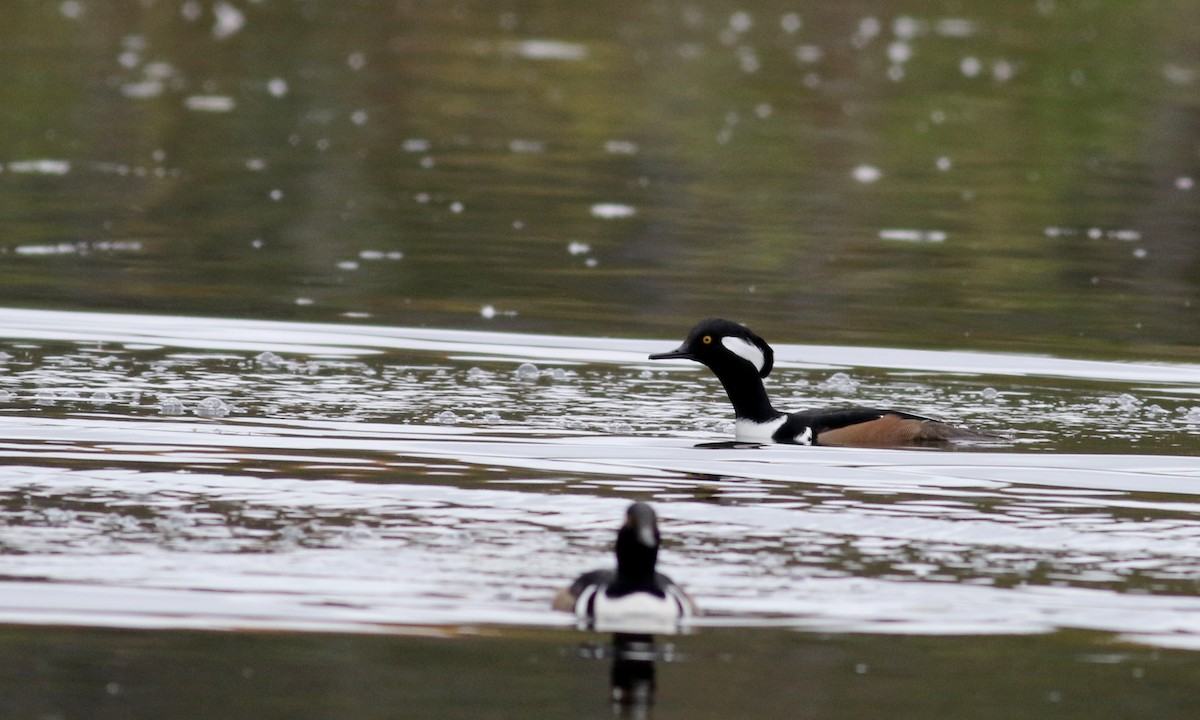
1053 143
732 673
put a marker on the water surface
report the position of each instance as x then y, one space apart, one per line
271 273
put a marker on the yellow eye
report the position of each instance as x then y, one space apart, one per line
707 339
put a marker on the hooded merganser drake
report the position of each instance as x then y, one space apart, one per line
634 597
740 359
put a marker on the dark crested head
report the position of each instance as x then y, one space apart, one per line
720 344
642 523
637 543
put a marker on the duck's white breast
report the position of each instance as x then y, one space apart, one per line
635 612
750 431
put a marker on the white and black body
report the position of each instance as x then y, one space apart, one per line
740 359
634 597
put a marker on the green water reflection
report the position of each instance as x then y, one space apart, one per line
271 159
63 672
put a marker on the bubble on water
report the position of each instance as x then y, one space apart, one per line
955 27
867 174
943 163
791 22
899 52
526 147
415 145
277 87
1124 235
492 418
381 255
809 53
741 21
559 374
989 393
549 50
1002 71
174 523
578 248
591 262
303 301
5 396
212 407
170 405
359 117
527 371
58 517
446 417
44 397
356 534
868 29
41 167
476 374
228 20
620 147
276 194
839 382
970 66
69 394
1178 75
907 27
191 11
1124 402
488 312
347 265
143 89
748 60
209 103
1140 253
71 9
610 211
916 236
268 358
5 357
100 397
356 61
1183 182
456 207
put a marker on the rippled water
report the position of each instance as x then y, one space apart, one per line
359 478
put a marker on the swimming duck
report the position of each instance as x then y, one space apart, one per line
634 597
740 359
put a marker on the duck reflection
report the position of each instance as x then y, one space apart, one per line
633 683
632 678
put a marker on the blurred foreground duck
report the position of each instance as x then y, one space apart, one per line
634 597
740 359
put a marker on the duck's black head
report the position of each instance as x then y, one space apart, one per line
724 346
637 542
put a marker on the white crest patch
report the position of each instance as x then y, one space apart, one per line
746 350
